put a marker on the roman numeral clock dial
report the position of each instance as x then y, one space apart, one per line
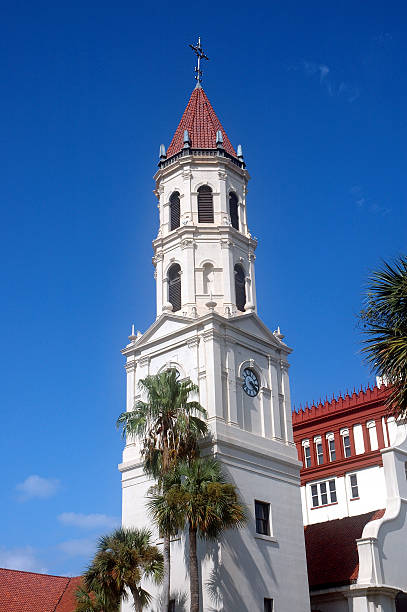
251 384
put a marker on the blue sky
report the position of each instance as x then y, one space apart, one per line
315 92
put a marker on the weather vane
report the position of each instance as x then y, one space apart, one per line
200 55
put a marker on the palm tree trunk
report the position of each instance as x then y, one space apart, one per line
167 573
137 603
193 571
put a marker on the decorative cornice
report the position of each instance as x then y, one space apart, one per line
193 342
144 360
225 243
284 365
187 243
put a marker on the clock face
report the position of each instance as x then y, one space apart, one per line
250 382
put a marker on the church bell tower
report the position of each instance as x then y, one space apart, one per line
207 327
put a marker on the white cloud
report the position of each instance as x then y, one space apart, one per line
80 547
344 89
89 521
36 486
24 559
367 204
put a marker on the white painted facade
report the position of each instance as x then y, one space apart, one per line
382 551
211 342
371 496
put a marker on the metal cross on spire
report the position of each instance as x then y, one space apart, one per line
200 55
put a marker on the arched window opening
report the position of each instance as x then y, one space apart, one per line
240 288
233 210
208 278
175 211
205 205
174 287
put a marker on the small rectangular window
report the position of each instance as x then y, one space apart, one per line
307 455
268 604
332 452
324 494
314 495
405 469
354 486
346 446
332 491
320 454
262 511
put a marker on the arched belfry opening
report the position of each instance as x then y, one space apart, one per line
174 287
175 211
205 205
233 210
240 289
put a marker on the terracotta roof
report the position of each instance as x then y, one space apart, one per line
29 592
332 556
201 121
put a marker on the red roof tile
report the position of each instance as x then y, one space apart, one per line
67 602
332 555
201 121
29 592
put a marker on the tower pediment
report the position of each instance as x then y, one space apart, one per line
165 326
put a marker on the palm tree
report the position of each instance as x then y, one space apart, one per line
201 498
95 602
169 427
384 319
122 560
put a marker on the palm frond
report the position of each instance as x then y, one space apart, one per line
384 320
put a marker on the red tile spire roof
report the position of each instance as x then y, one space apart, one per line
201 121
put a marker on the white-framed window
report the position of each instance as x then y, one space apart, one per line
346 442
319 450
331 445
262 514
307 453
371 428
354 488
323 493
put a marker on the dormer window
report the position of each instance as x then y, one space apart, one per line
175 211
233 210
205 204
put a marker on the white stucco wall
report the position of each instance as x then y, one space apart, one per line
253 439
372 496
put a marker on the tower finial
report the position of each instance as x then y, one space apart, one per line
200 55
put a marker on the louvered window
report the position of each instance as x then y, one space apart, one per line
233 210
240 289
174 211
174 287
205 205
